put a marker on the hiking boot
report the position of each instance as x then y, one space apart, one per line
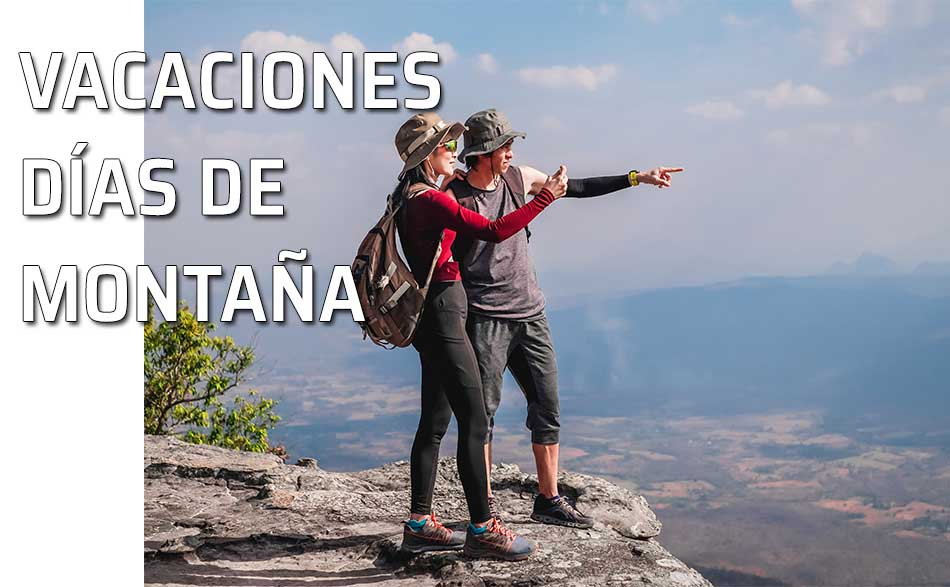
496 541
493 508
432 536
560 512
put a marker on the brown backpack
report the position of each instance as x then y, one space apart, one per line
391 297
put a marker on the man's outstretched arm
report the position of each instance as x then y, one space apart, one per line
598 186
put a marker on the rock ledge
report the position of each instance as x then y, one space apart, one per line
225 518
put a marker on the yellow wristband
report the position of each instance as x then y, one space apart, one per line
633 178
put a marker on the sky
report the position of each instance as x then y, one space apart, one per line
811 131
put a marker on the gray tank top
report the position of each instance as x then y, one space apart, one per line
499 278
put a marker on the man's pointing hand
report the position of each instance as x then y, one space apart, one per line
660 177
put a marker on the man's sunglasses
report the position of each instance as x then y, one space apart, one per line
451 146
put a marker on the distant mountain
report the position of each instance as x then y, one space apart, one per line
876 348
869 351
867 264
933 268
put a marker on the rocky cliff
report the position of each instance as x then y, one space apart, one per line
226 518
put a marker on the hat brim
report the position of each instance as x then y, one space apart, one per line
452 131
492 145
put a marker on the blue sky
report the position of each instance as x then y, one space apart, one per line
811 131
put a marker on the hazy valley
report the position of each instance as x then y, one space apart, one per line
785 430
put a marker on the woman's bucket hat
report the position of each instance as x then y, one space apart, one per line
420 135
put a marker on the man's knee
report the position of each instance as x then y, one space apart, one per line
491 431
546 436
545 425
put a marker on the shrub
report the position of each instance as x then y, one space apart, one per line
188 371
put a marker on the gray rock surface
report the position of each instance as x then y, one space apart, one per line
225 518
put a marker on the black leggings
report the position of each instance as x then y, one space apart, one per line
450 384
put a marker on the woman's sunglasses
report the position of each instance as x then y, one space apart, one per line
451 146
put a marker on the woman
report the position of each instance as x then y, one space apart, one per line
450 378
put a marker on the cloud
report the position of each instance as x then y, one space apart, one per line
264 42
787 94
853 134
485 63
734 20
804 6
561 76
345 42
653 10
423 42
915 90
715 110
844 30
902 94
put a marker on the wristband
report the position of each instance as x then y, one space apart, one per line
633 178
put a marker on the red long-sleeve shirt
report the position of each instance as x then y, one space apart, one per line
431 212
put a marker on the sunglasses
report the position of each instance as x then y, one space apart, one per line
451 146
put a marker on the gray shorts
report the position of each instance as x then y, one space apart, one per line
525 348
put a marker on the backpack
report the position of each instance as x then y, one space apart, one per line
391 297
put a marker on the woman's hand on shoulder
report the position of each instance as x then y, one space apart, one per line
460 174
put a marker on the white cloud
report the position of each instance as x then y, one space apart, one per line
264 42
560 76
345 42
902 94
846 29
734 20
804 6
809 135
423 42
788 94
653 10
486 63
715 110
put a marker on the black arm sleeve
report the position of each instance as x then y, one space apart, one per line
590 187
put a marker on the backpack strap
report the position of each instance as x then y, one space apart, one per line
515 183
411 192
512 178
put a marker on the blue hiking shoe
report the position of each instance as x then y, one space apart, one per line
496 541
432 536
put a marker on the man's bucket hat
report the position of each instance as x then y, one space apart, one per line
420 135
486 131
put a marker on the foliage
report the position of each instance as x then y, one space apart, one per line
187 373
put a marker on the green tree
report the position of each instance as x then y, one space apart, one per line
187 373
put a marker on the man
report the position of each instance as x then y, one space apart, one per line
507 324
